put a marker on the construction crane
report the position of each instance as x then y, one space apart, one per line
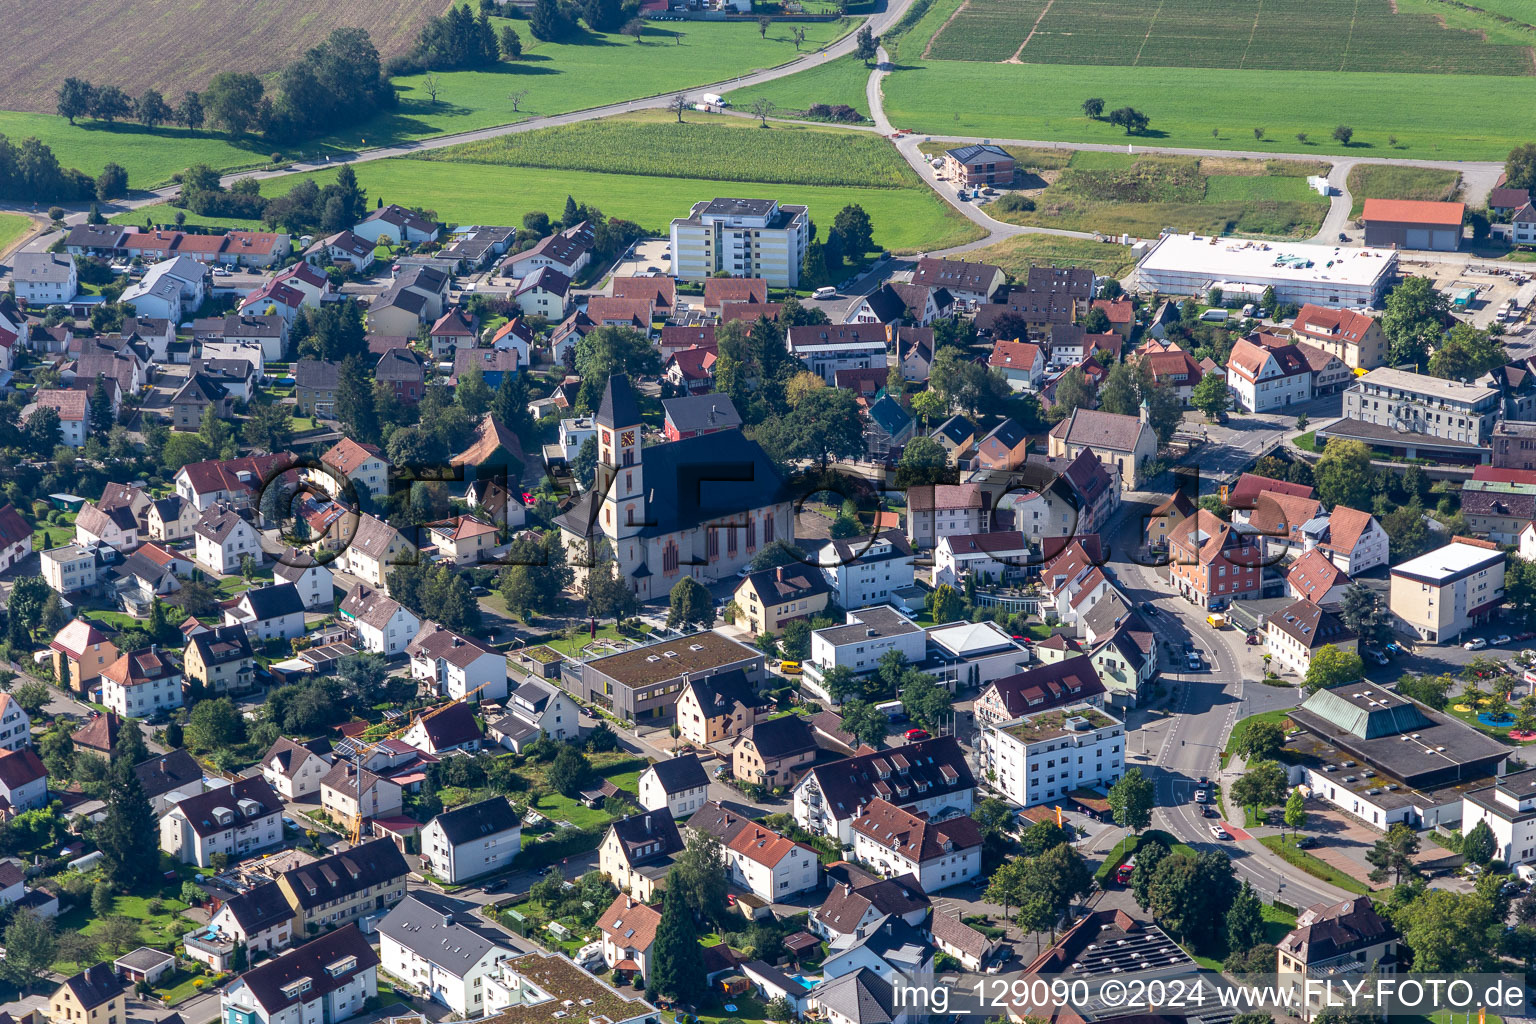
421 715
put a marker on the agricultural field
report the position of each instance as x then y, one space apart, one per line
591 70
1432 116
905 219
1292 35
718 147
1141 196
990 29
1515 26
910 36
172 46
1379 181
1017 254
837 81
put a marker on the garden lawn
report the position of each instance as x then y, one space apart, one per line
163 215
592 70
1241 727
1433 116
59 534
1285 846
1377 181
905 219
182 985
1017 254
163 930
12 227
837 81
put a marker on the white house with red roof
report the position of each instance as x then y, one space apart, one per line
395 224
692 369
140 683
897 842
515 335
74 416
233 481
462 540
1313 577
23 783
361 463
936 511
455 665
15 537
1020 362
992 555
1262 379
455 329
275 297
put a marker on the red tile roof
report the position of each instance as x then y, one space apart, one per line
1414 211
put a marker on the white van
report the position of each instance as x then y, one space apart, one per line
824 292
1526 873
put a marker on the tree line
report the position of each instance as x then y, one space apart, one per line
338 83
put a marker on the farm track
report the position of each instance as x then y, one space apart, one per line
1033 29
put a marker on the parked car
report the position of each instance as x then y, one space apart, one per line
1254 640
1306 842
1377 656
913 735
1343 237
1475 644
1194 661
1500 640
1217 832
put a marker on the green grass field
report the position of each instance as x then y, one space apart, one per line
1432 116
1285 847
717 147
1017 254
551 78
905 219
1490 20
1241 726
904 41
1313 35
12 227
837 81
1377 181
1119 193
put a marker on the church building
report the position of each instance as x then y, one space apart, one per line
702 506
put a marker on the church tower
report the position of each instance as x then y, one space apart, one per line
620 477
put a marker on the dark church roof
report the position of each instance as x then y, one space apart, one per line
619 407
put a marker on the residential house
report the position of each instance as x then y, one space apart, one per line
23 782
310 578
200 393
677 784
268 613
1021 363
692 370
376 548
259 919
1312 577
985 556
345 886
968 282
450 727
637 852
172 519
423 942
233 482
1212 562
15 537
471 841
326 979
1059 681
774 752
774 597
224 539
767 864
535 709
693 415
1121 313
1047 755
858 901
826 348
344 248
360 463
897 843
15 725
1334 944
718 708
141 684
634 313
1125 442
73 410
404 372
568 252
116 529
315 387
867 571
858 997
270 333
456 666
294 769
169 778
628 928
1262 379
914 348
69 569
236 820
1329 372
384 626
462 540
171 289
456 329
79 651
220 660
1005 447
644 682
93 996
969 947
979 164
956 435
1294 634
893 949
44 278
928 776
860 643
546 292
936 511
394 224
353 795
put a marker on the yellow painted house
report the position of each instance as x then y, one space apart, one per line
94 996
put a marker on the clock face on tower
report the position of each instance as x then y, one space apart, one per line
627 439
607 438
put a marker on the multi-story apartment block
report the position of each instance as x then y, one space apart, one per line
867 570
1046 755
345 886
1418 415
745 238
1442 594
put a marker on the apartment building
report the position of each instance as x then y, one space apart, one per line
345 886
1442 594
743 237
1049 754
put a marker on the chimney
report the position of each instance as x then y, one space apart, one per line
162 764
779 572
629 902
847 889
647 824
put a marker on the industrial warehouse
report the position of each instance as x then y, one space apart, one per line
1190 264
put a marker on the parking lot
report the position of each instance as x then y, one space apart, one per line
1493 290
649 255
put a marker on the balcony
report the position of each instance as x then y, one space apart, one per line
209 940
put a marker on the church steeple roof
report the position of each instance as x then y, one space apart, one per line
619 407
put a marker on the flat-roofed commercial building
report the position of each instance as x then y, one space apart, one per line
1193 264
645 682
1443 593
